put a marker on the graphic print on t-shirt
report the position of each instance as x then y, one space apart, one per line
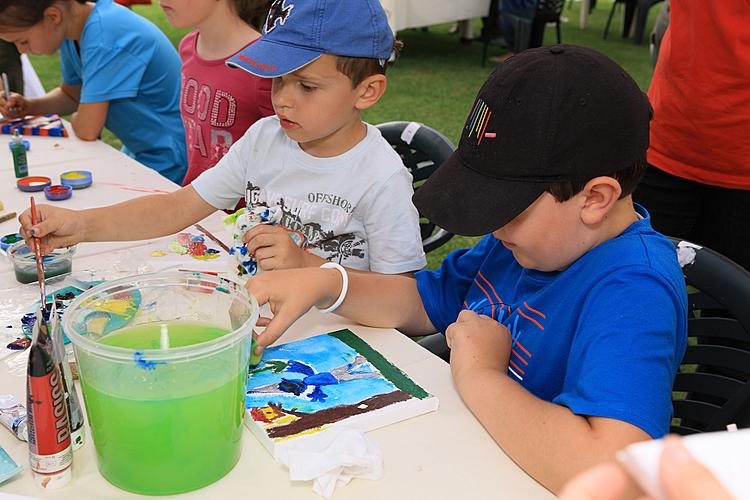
198 100
522 321
330 212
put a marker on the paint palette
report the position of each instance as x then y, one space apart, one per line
45 125
58 192
33 183
77 179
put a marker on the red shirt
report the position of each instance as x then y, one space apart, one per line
701 94
218 104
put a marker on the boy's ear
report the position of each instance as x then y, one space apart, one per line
370 90
600 195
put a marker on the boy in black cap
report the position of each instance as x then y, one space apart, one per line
567 323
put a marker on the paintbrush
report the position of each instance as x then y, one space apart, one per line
38 256
8 216
212 237
6 88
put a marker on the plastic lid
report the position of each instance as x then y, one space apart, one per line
53 481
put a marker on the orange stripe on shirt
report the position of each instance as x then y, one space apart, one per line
492 314
519 357
534 310
530 319
517 367
499 300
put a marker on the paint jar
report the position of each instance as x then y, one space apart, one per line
59 261
162 359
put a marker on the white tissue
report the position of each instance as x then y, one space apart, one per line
725 454
331 457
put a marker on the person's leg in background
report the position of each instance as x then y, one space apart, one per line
675 204
10 62
724 225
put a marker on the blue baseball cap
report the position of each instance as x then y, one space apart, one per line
297 32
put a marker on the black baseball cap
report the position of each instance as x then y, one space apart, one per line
548 114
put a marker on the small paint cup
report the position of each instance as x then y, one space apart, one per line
9 240
58 192
33 183
77 179
58 262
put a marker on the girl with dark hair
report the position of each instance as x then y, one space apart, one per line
218 103
118 71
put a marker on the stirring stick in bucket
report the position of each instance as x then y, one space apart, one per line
164 338
38 255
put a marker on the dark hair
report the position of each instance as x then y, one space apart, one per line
359 68
25 13
253 12
628 178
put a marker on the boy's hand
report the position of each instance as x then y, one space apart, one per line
273 248
477 342
57 227
291 293
17 106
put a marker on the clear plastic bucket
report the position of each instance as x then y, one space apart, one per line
162 359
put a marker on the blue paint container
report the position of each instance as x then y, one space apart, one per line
58 192
9 240
33 184
77 179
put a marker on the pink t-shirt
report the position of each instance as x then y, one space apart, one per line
218 104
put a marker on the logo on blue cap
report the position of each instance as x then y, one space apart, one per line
277 14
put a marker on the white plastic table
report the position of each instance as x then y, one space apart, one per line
404 14
443 455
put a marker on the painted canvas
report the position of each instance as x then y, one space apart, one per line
335 379
44 125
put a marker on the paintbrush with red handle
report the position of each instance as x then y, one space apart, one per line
38 256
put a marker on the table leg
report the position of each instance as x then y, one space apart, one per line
585 5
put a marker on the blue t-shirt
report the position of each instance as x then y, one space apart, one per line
603 337
126 60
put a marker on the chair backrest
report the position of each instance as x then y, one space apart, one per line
422 149
550 9
712 387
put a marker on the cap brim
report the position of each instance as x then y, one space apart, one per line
269 59
463 201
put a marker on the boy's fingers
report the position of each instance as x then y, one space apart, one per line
466 315
275 328
683 477
259 241
603 482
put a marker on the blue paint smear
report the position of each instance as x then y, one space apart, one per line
144 363
323 353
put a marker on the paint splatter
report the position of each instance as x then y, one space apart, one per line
144 363
189 244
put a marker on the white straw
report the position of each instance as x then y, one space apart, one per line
164 338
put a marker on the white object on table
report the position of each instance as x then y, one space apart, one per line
404 14
724 453
329 458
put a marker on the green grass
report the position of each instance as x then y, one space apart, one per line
436 77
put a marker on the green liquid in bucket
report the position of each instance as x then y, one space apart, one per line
168 445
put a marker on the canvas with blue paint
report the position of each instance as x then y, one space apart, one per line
307 386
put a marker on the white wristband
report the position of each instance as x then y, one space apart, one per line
344 286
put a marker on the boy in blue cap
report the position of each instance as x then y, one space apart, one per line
567 322
339 185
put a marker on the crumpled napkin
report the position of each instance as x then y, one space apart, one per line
725 454
241 222
334 456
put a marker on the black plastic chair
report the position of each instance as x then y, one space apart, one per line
528 20
630 6
713 383
634 10
422 149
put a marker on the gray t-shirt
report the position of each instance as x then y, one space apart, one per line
354 209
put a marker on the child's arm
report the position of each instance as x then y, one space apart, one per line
140 218
385 301
547 440
62 100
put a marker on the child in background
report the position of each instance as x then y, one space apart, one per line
217 104
567 323
118 71
339 185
